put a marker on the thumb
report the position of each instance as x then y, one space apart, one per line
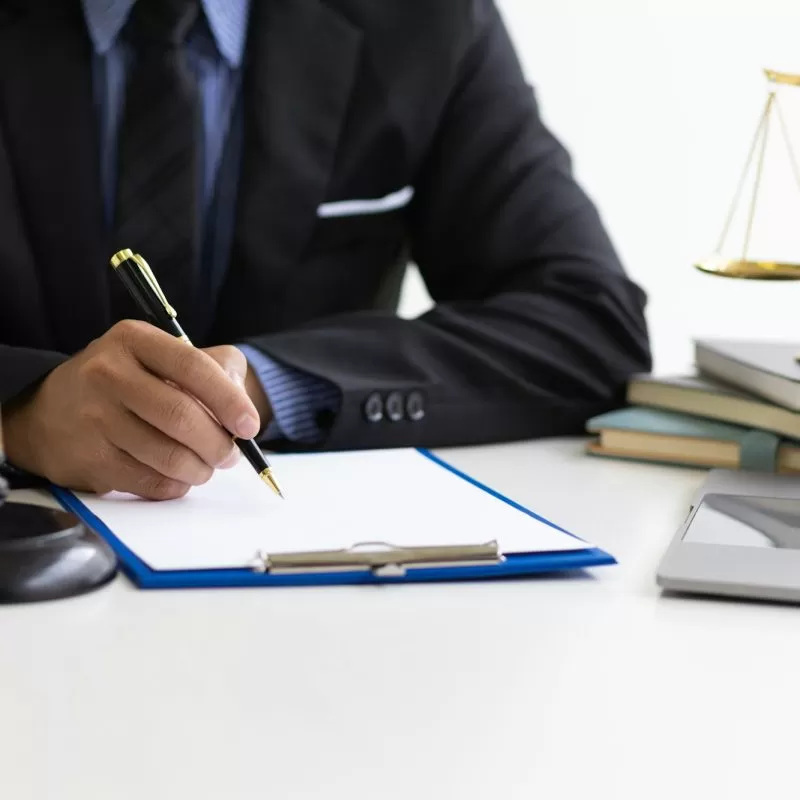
232 360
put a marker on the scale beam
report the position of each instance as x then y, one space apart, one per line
785 78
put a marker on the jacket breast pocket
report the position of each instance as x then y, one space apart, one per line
348 222
348 262
358 231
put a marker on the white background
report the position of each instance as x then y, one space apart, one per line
658 103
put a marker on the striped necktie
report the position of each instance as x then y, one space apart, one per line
159 154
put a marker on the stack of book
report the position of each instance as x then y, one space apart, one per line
740 409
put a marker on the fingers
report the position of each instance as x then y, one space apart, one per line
110 469
196 373
179 418
126 474
232 361
154 449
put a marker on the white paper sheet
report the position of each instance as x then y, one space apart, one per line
334 501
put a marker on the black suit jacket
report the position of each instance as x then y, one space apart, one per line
536 326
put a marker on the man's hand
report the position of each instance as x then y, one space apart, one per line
133 413
231 360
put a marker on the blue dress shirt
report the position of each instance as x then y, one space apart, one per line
215 49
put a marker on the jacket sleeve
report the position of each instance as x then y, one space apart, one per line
20 367
535 327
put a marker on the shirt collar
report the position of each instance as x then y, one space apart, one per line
227 20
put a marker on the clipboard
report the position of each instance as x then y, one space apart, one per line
374 562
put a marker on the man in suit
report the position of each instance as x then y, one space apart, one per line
278 163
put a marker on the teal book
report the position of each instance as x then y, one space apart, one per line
668 437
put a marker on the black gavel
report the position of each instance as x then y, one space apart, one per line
47 553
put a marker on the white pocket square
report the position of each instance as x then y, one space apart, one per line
381 205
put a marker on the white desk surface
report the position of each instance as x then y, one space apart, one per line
592 686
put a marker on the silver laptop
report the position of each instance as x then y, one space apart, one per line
741 538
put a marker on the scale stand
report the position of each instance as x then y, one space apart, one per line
743 267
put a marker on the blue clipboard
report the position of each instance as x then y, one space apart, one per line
513 565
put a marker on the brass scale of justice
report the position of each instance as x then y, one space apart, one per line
744 267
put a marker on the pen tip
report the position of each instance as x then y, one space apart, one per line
269 479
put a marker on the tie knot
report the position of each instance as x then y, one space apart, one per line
164 22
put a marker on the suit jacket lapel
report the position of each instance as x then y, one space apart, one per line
301 66
51 133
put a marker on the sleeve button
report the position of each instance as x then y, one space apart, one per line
394 406
373 408
415 406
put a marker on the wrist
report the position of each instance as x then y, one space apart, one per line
20 430
17 436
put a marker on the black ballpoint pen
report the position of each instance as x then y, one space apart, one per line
142 285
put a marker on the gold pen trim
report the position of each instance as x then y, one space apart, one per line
151 279
268 478
125 255
122 255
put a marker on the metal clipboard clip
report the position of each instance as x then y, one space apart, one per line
382 559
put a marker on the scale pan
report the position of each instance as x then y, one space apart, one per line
754 270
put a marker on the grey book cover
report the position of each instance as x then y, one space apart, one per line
776 357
